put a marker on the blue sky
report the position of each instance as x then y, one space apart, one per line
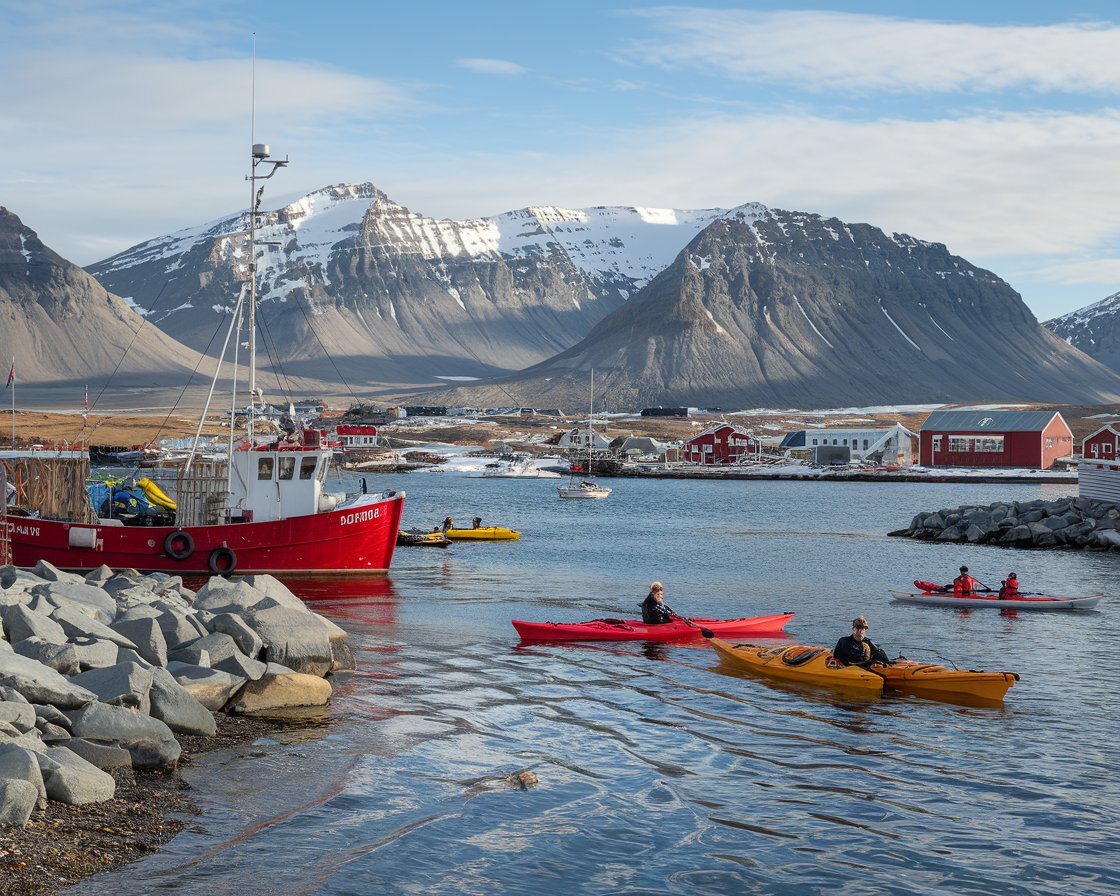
991 127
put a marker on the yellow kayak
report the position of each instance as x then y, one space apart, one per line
483 533
941 683
799 664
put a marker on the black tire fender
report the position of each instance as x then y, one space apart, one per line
222 561
179 545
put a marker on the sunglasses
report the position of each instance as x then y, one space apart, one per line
861 628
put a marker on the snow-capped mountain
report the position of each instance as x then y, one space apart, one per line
394 296
774 308
1095 329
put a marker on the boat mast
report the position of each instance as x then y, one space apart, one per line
590 417
260 155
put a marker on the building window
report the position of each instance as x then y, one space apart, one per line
958 443
264 468
1107 449
937 443
990 445
865 444
814 441
1049 443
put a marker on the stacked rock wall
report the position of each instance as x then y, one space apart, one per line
1078 523
100 673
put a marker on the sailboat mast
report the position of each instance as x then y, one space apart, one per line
590 417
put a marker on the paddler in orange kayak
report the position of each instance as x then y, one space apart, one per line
857 649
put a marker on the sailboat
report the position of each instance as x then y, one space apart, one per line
585 488
264 510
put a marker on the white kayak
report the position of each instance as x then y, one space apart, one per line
993 602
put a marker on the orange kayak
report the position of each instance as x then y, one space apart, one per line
927 680
799 664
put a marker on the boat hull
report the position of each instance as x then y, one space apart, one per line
993 602
940 682
483 533
355 539
636 630
798 664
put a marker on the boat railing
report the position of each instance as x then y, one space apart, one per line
202 494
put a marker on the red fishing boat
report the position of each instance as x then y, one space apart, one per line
264 509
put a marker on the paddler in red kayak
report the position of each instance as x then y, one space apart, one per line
1009 587
654 609
965 585
857 649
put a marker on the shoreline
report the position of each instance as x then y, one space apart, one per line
811 475
63 844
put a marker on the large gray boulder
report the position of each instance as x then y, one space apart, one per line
280 688
99 576
20 763
41 684
106 756
149 741
60 657
125 684
87 599
70 779
247 640
210 687
17 802
77 624
20 716
148 637
178 626
236 596
48 572
176 707
94 653
218 647
242 666
21 622
293 638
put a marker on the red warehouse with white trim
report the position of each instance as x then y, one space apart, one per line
1104 443
1034 439
720 444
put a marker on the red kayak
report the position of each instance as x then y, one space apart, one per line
680 629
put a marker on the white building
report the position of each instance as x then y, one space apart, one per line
890 445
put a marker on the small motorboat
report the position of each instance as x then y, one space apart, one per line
418 538
932 595
679 629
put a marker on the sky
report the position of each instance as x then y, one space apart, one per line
991 127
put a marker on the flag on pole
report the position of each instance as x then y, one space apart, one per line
11 374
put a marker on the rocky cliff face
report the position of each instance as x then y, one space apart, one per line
1095 329
786 309
395 297
63 327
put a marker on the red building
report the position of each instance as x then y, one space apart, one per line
720 444
1104 443
1034 439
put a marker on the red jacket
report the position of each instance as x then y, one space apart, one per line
964 585
1009 588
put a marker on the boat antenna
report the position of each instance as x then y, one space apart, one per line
260 155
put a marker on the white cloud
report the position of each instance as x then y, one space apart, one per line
491 66
1104 272
832 50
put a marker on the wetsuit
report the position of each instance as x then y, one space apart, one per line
851 652
654 613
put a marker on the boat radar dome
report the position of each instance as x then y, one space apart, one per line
260 151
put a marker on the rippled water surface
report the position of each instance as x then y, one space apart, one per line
659 770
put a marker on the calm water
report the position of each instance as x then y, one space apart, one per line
660 772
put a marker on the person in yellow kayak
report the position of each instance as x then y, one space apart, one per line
654 609
857 649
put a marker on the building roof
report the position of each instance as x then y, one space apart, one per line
988 421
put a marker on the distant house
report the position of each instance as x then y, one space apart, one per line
886 445
664 412
1104 443
642 448
721 444
576 438
356 436
1034 439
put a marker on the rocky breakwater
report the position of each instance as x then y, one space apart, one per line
1078 523
99 674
